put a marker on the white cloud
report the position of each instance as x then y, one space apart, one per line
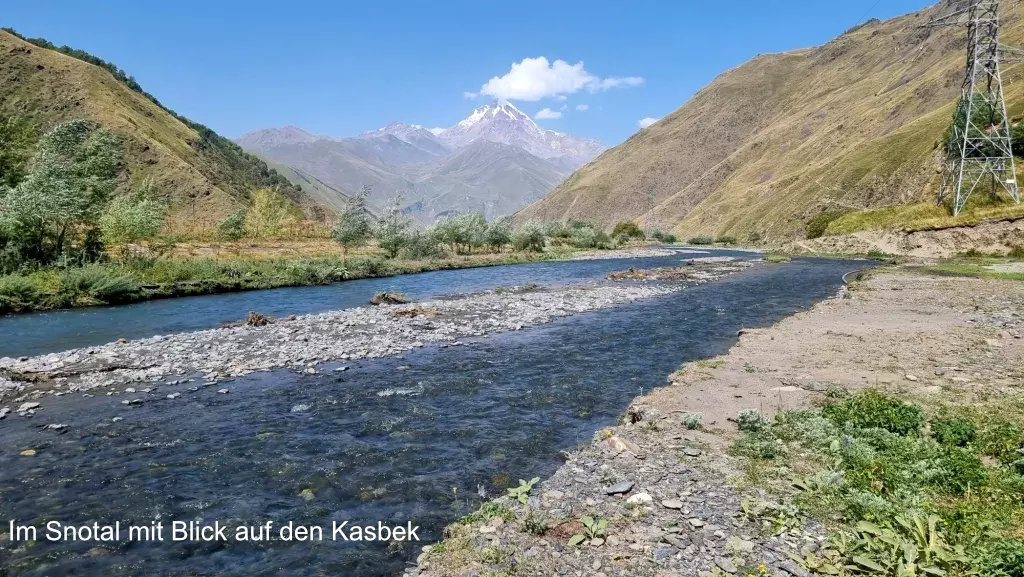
645 122
582 107
547 113
469 95
534 79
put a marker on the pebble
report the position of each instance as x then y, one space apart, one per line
640 499
619 488
725 564
691 452
28 453
222 391
25 407
911 378
672 504
3 413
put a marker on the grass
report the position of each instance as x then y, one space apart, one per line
894 476
921 216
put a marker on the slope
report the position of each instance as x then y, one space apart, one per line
851 125
206 175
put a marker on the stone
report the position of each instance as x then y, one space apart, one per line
640 499
56 427
28 453
672 504
696 523
725 564
28 407
300 408
911 378
307 494
619 488
173 396
3 412
222 391
691 452
620 445
662 553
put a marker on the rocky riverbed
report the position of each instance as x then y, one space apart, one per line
136 369
665 495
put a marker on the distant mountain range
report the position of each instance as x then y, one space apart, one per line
496 161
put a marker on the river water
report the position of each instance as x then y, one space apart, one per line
387 440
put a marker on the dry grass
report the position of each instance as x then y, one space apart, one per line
852 125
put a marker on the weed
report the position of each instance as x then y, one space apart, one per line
953 432
751 420
871 409
701 240
522 492
594 530
692 421
535 525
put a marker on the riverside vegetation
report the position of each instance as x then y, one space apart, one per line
71 235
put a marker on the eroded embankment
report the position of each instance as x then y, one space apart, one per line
675 502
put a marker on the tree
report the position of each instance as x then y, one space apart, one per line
627 229
72 176
17 139
499 232
353 227
269 213
393 228
529 236
131 217
232 227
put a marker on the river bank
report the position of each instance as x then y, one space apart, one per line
106 284
667 492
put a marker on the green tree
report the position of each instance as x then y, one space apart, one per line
73 174
499 233
353 227
628 229
529 236
232 227
392 229
17 139
131 217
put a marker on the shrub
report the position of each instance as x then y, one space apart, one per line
529 237
726 240
1003 558
953 432
819 223
961 471
1002 440
421 245
871 409
17 293
232 227
702 240
751 420
692 421
628 229
587 237
98 284
664 237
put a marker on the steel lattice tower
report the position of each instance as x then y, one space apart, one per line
980 148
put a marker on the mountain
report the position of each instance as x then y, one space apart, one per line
496 161
852 125
502 122
206 175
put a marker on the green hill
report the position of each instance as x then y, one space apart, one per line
850 126
206 175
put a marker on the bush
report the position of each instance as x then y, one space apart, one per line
1002 440
816 226
232 227
726 240
1003 558
751 420
422 245
628 229
664 237
529 237
97 284
962 471
702 240
17 293
587 237
953 432
871 409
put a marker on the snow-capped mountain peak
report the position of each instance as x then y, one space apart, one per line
503 122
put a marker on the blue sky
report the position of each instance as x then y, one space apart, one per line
341 68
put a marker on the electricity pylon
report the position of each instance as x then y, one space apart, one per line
980 144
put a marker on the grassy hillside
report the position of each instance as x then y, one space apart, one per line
207 176
852 125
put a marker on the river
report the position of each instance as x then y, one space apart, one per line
410 438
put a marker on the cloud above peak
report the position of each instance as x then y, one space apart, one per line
534 79
645 122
